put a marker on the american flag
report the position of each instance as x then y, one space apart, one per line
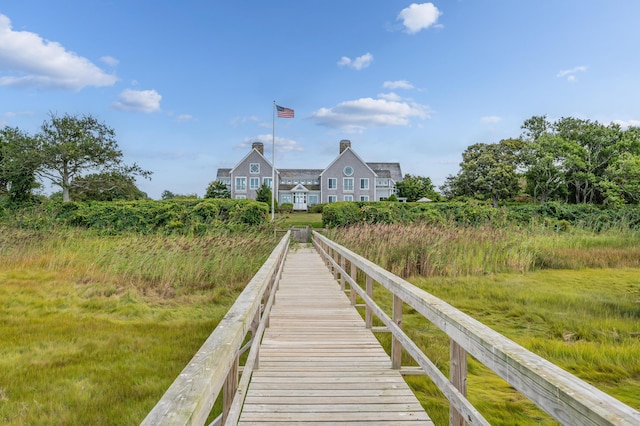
284 112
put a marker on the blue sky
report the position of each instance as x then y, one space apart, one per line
189 85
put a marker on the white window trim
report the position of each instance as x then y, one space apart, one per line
251 168
332 199
363 180
364 198
268 181
344 185
235 186
251 182
348 197
329 184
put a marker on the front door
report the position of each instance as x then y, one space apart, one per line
300 201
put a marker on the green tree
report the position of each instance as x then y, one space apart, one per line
109 186
73 145
264 194
621 183
488 172
414 188
217 189
19 159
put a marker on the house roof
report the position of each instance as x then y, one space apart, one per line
348 149
300 174
391 170
223 173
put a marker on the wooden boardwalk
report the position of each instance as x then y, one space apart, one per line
318 362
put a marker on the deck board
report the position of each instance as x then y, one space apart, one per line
318 362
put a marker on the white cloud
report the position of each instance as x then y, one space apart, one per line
28 60
356 115
418 17
571 74
358 63
110 60
491 119
391 96
138 100
399 84
625 124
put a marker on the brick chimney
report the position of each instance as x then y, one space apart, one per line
259 146
344 144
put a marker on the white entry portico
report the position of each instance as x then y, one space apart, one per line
300 197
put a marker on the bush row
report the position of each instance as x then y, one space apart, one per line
175 216
553 214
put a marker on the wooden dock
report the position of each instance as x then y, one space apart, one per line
319 363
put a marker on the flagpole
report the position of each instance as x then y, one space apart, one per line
273 164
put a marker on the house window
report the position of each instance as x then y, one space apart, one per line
332 183
241 197
268 182
364 183
313 199
364 198
285 199
332 198
254 168
348 197
347 184
254 183
241 184
348 171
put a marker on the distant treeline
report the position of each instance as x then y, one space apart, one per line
551 214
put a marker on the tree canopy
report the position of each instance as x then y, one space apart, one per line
18 163
414 188
71 146
217 189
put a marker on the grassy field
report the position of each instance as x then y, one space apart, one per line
572 298
95 329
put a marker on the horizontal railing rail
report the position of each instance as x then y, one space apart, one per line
215 367
565 397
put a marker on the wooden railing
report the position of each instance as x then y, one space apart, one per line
215 367
568 399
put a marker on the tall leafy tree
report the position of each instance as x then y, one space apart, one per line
19 159
73 145
414 188
488 171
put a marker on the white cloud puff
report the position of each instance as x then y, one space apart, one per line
625 124
28 60
358 63
399 84
571 74
418 17
356 115
138 101
282 144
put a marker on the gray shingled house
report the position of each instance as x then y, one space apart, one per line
347 178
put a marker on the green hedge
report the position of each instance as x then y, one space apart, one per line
175 216
557 215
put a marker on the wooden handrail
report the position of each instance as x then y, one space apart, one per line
190 398
565 397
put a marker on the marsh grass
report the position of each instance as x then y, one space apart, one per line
585 319
94 329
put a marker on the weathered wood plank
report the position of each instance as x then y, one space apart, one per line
318 361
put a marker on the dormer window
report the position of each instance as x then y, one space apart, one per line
348 171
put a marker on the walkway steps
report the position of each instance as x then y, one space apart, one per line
318 362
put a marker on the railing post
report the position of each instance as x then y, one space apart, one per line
368 316
458 378
354 277
396 346
229 389
342 268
